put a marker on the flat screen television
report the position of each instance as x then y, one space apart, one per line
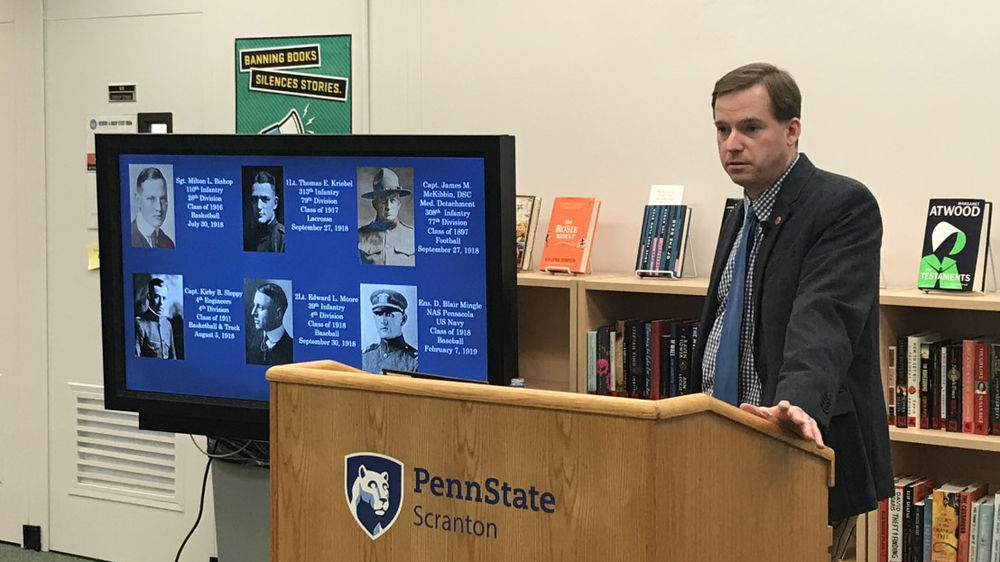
224 254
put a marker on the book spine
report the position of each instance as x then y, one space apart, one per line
685 233
901 363
603 367
614 364
928 523
907 523
695 382
912 381
645 239
895 525
621 359
917 541
883 530
985 540
889 374
683 362
635 359
974 532
981 391
675 331
925 386
966 498
954 405
665 364
995 542
647 360
968 385
935 388
655 354
995 389
669 237
592 361
943 387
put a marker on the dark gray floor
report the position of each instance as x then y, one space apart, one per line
14 553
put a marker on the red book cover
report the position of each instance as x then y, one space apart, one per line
968 384
970 494
981 392
570 235
883 530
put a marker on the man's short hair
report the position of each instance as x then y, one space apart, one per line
148 174
786 100
277 295
153 282
264 177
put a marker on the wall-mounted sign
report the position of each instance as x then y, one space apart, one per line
293 85
121 93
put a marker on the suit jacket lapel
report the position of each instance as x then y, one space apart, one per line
783 208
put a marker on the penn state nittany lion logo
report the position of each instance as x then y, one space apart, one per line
374 488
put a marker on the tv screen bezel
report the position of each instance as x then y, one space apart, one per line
235 418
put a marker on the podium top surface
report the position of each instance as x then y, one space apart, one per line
336 375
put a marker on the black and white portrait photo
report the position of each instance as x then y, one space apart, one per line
268 321
159 315
385 216
388 327
152 213
263 209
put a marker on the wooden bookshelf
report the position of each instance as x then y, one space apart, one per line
546 330
936 453
557 311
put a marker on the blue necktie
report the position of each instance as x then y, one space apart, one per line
727 360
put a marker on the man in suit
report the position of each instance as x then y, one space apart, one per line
152 203
154 334
269 343
263 231
789 331
386 240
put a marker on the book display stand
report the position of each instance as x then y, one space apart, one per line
475 472
666 274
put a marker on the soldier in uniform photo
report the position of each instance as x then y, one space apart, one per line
150 206
392 352
269 343
262 230
386 240
154 334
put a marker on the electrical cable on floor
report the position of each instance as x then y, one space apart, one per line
201 505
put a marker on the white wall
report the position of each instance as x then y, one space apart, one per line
604 99
608 98
23 431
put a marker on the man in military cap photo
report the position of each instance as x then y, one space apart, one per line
262 231
392 352
386 240
154 333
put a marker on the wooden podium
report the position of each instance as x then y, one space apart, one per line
559 476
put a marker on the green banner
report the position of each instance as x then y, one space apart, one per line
294 85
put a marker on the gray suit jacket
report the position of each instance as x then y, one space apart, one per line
817 318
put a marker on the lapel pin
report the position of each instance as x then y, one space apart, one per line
777 221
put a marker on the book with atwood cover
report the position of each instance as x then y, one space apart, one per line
956 241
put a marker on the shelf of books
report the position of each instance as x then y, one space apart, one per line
614 301
941 363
